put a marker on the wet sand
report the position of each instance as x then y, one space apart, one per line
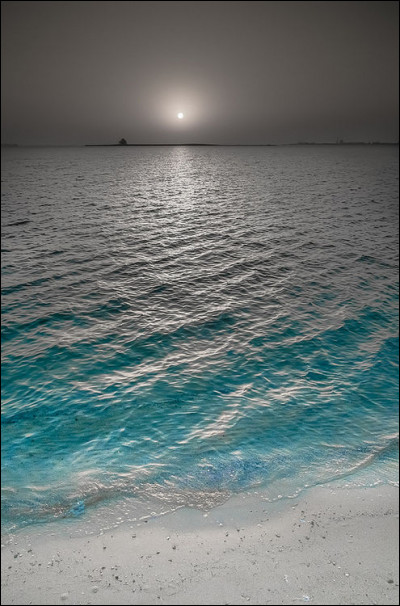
328 546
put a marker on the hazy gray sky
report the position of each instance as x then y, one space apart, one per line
241 72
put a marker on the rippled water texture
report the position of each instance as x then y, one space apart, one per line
183 323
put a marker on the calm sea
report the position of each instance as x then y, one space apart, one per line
180 324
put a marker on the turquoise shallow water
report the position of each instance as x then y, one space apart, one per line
184 323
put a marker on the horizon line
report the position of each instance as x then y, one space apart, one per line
299 143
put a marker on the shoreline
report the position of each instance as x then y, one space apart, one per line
328 546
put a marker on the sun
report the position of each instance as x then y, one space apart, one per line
180 115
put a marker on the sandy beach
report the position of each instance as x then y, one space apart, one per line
329 546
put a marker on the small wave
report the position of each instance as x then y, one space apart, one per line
17 223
